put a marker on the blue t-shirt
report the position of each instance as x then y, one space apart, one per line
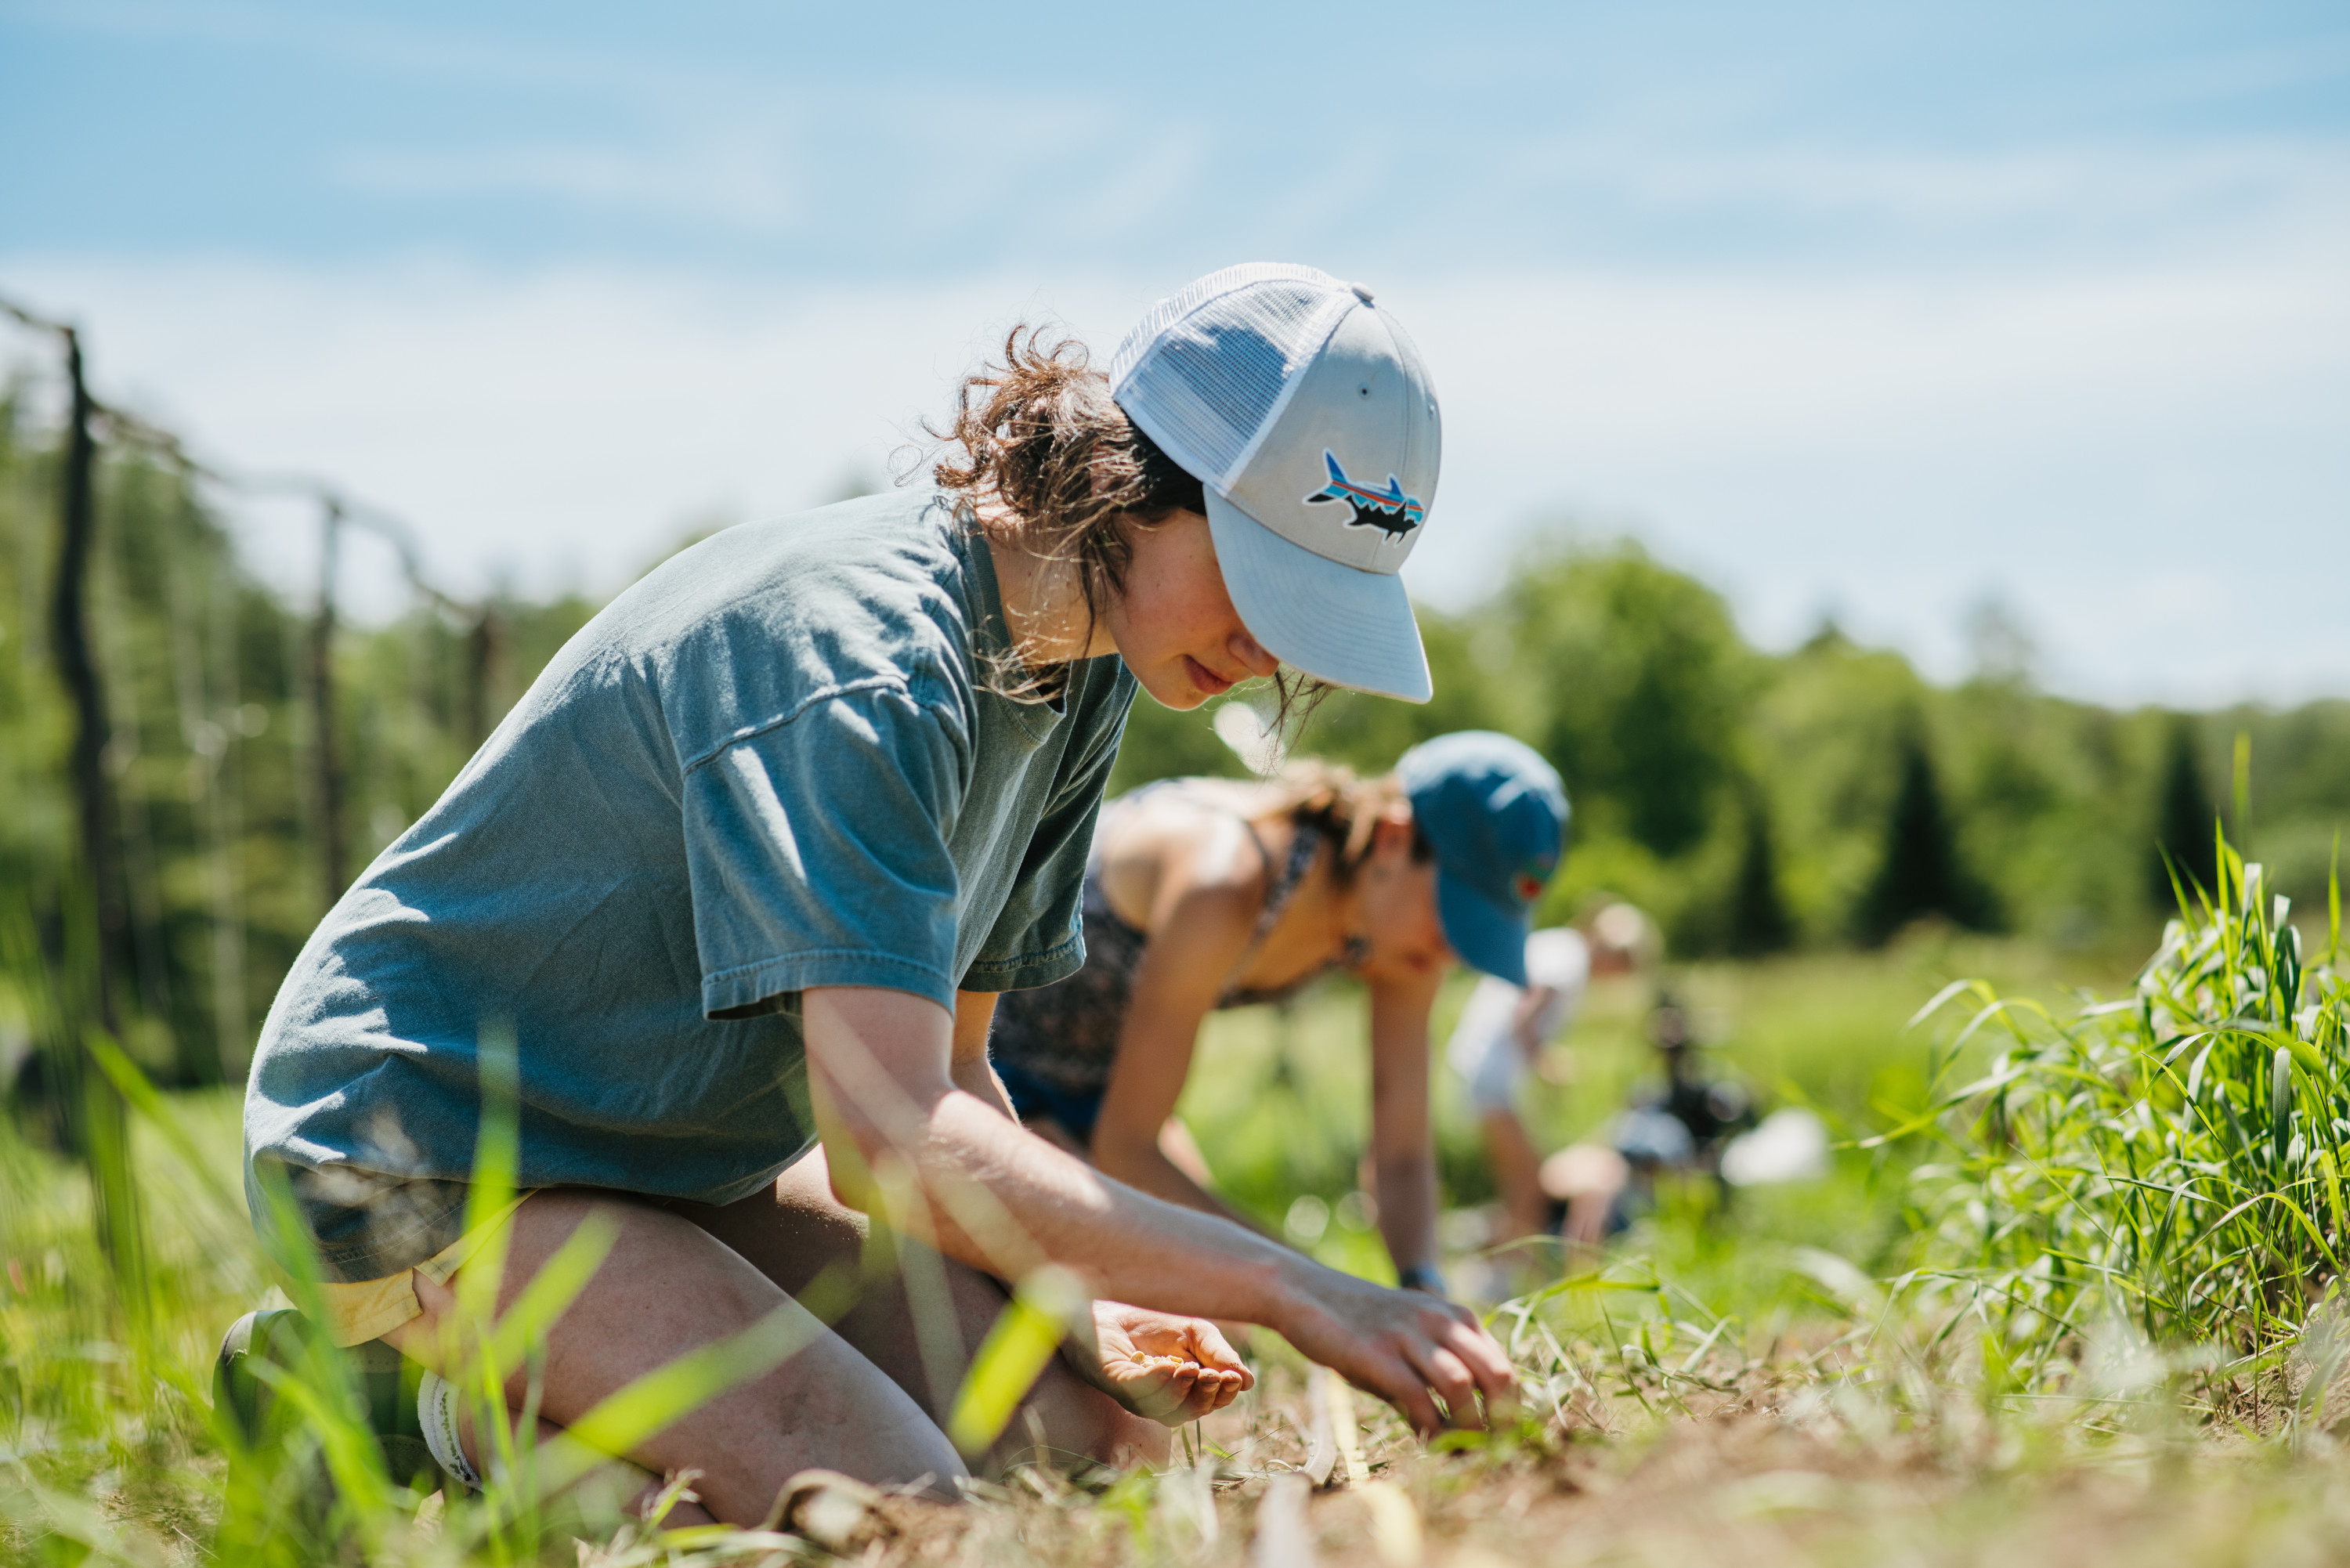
778 762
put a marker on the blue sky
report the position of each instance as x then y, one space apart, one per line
1865 308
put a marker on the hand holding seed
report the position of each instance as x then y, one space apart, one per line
1171 1368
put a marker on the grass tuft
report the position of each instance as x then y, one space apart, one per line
2164 1171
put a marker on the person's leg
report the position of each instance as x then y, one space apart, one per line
1493 1066
621 1479
796 1230
668 1287
1586 1178
1517 1170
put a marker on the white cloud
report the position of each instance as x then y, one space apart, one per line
2059 189
745 179
1893 447
2147 460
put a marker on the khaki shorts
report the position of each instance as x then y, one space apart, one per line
373 1233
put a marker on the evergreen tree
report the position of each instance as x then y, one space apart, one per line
1922 873
2185 820
1758 918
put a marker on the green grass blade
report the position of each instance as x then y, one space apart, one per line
1015 1352
140 1093
661 1397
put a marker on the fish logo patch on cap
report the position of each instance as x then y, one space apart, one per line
1390 511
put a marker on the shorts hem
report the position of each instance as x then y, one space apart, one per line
363 1310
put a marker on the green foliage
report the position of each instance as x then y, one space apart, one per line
2301 768
1757 920
1640 677
2183 845
2173 1161
213 753
1821 733
1922 872
1749 801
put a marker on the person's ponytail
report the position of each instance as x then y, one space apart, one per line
1343 807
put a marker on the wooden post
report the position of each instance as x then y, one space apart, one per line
483 647
326 755
69 635
93 914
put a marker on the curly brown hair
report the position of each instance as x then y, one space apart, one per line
1039 433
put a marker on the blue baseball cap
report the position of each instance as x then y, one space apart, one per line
1495 815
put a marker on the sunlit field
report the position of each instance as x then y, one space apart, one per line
1856 1368
540 544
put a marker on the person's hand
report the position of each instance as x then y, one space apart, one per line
1412 1349
1171 1368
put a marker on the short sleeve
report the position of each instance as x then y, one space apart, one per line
1039 936
1560 961
1559 958
817 852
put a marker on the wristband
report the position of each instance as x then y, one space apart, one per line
1420 1277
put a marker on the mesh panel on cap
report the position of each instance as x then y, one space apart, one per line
1175 306
1205 371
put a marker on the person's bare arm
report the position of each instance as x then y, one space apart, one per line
899 1132
971 1068
1170 1367
1403 1142
1526 1014
1197 934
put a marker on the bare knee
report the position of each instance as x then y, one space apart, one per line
1068 1424
666 1288
1130 1440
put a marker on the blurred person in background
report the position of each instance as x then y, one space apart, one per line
1212 893
1695 1122
1503 1031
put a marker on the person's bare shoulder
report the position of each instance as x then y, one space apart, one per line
1182 855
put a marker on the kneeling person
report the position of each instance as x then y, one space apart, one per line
1210 893
745 870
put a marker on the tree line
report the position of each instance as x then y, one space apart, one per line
1757 802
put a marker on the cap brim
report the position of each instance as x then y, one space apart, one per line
1336 623
1488 935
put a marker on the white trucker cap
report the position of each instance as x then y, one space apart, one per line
1305 411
